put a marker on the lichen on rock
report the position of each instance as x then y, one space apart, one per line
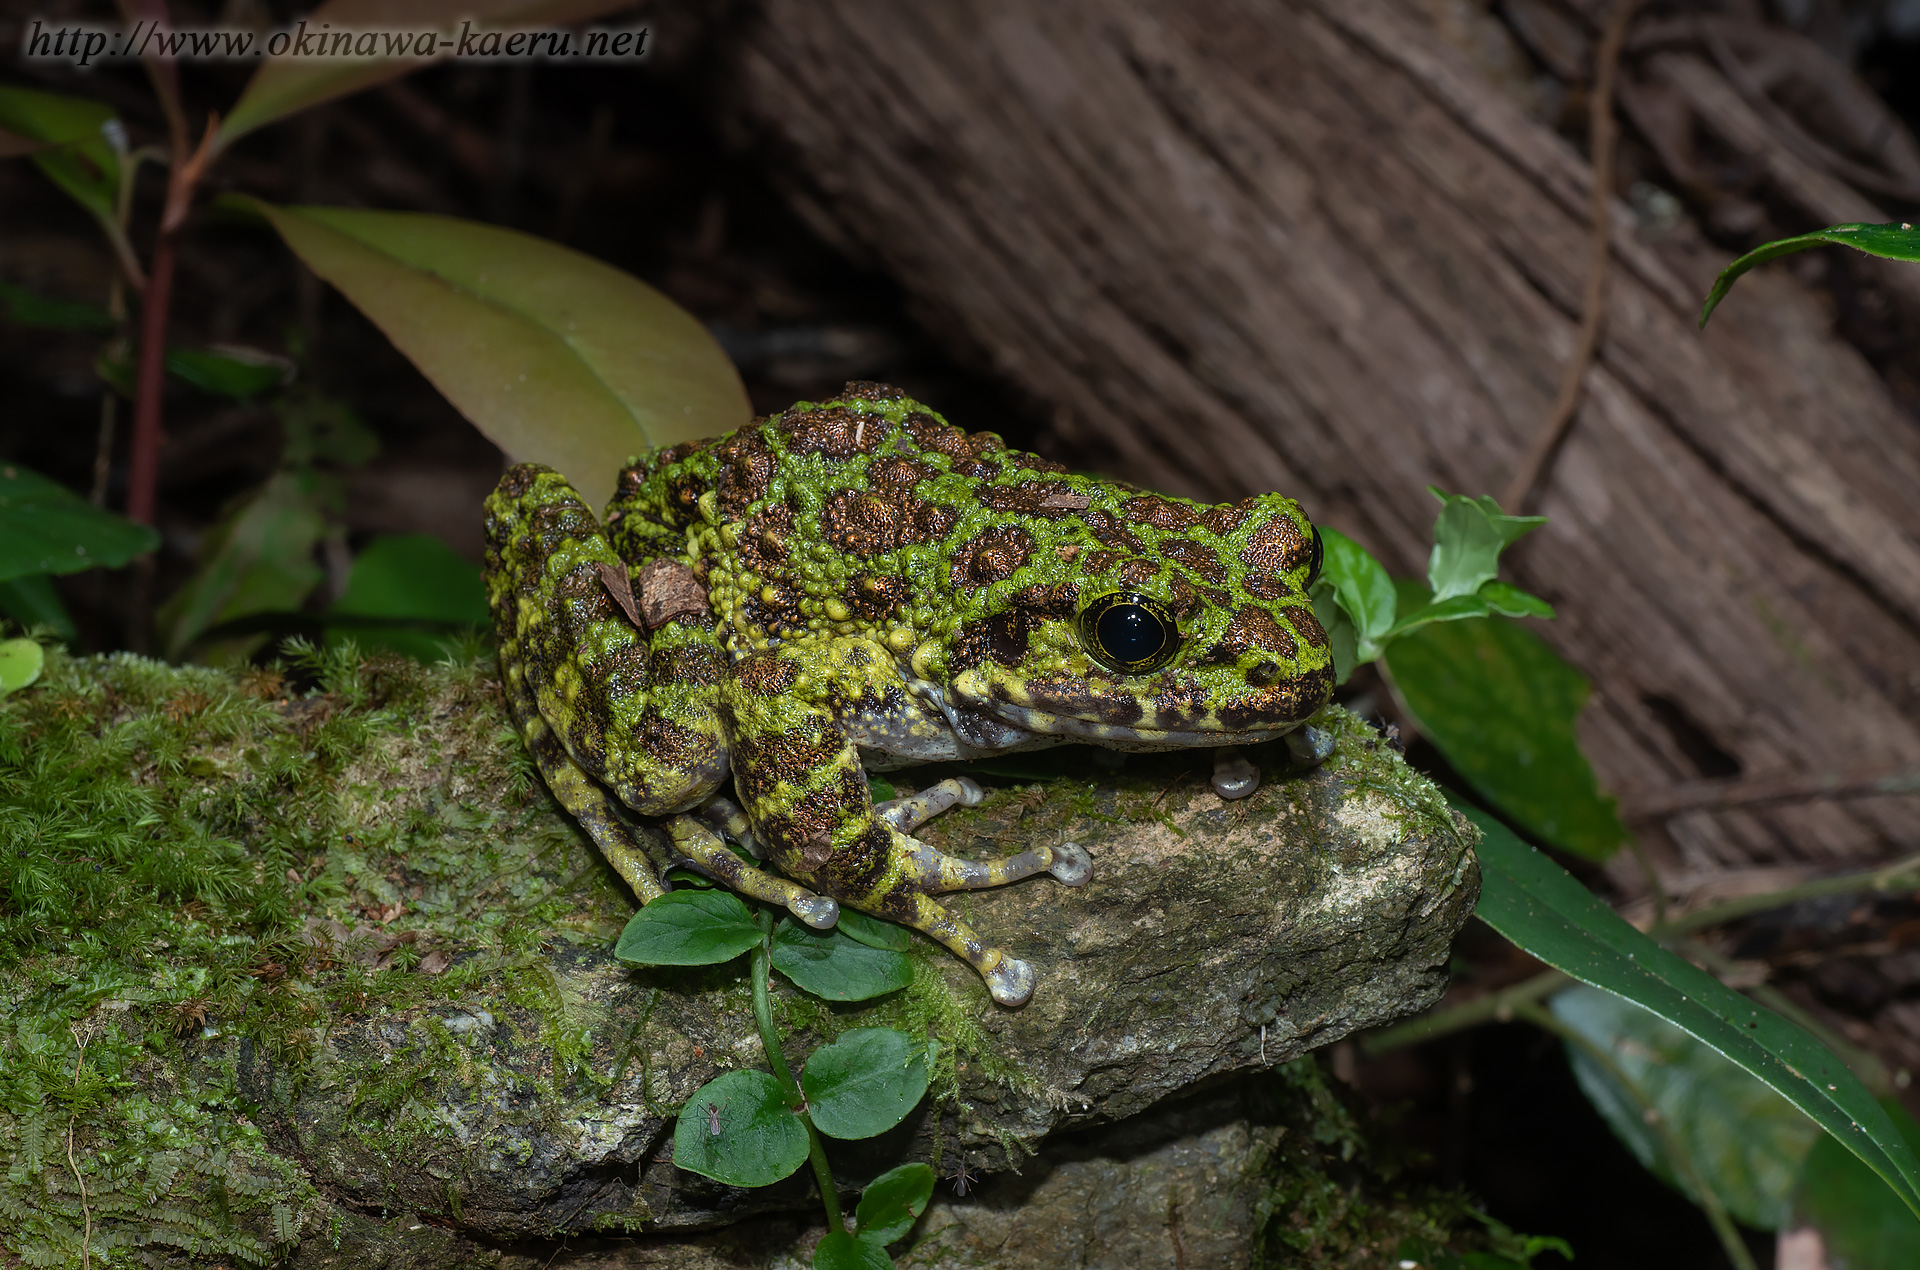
293 953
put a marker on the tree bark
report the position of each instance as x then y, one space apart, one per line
1307 247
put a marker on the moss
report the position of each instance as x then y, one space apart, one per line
200 869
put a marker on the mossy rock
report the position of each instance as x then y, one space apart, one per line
285 965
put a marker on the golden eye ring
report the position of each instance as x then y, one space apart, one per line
1132 633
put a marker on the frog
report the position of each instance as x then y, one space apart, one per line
762 619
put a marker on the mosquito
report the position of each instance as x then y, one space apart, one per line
713 1118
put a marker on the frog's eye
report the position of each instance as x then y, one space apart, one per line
1129 632
1319 554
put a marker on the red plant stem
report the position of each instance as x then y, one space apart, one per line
143 462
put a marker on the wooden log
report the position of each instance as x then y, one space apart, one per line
1243 246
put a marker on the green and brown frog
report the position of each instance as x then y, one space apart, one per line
855 585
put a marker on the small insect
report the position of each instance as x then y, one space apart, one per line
962 1179
713 1118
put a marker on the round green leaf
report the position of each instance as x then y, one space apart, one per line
558 358
760 1139
688 928
46 528
873 932
830 964
892 1202
865 1083
20 662
841 1251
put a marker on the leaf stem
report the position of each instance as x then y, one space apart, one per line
761 974
1703 1195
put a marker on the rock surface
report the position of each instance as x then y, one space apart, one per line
436 1026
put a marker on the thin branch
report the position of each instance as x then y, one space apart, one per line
1495 1007
1710 795
1604 132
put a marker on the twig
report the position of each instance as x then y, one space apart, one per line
86 1210
1709 795
1593 305
1495 1007
1736 1247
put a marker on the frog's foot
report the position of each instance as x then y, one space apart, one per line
726 816
706 852
1309 747
935 871
1009 979
908 814
1233 775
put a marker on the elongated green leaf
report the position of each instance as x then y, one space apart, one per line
830 964
1745 1142
229 371
259 559
28 309
1361 586
759 1139
873 932
31 601
1862 1223
1453 609
1509 600
1533 902
864 1083
1893 242
20 663
688 928
1501 706
841 1251
892 1202
291 83
78 156
556 357
46 528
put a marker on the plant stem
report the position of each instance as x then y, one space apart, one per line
150 382
1709 1202
1495 1007
761 974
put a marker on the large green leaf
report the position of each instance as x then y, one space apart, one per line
1893 242
259 559
738 1129
830 964
1533 902
1743 1140
1861 1222
688 928
290 83
556 357
1501 706
864 1083
47 528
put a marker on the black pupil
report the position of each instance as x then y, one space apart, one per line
1319 553
1129 633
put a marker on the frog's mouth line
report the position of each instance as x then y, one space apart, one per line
1039 721
1112 714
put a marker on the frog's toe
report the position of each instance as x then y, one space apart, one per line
818 911
909 813
1233 775
1011 982
1309 747
1071 864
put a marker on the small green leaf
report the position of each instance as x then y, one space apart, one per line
1454 609
865 1083
1341 634
417 577
1534 903
1362 588
759 1141
841 1251
873 931
229 371
832 965
1510 601
20 663
1467 541
1501 706
1893 242
892 1202
31 601
46 528
79 156
1862 1223
881 789
1743 1140
27 309
557 357
688 928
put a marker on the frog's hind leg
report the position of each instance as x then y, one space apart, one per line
1009 980
707 853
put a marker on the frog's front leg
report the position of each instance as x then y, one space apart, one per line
806 796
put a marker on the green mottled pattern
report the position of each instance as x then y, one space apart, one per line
872 581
